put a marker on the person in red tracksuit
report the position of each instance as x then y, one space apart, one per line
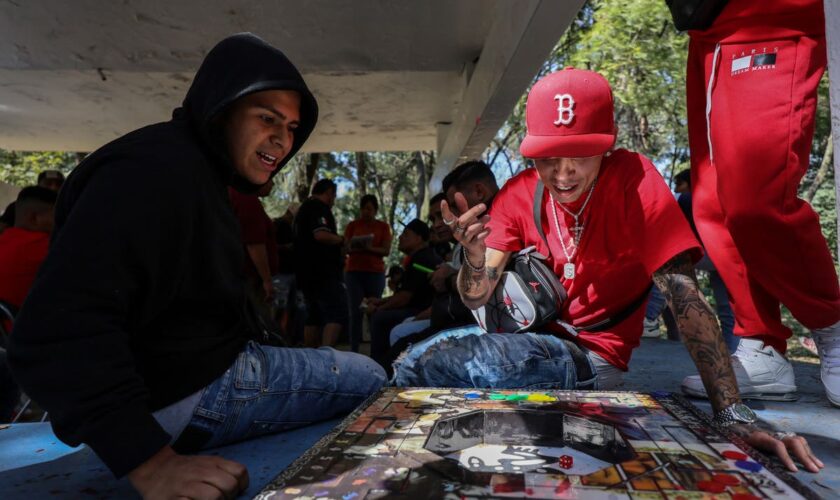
752 81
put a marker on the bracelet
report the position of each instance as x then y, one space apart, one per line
470 266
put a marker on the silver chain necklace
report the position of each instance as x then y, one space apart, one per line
569 267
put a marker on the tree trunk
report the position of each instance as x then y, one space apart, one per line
361 173
310 176
396 187
422 182
827 158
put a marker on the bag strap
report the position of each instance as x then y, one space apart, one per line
614 320
538 196
605 324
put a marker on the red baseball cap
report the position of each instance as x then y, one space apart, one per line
569 114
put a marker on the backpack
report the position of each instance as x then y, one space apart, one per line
695 14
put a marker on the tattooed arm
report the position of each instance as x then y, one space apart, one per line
699 328
701 334
475 287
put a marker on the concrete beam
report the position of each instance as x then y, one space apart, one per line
520 39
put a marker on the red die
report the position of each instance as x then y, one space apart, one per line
566 461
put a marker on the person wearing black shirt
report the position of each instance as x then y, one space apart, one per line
414 294
136 336
285 291
320 267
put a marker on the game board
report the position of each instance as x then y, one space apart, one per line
466 443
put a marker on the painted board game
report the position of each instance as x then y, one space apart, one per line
467 443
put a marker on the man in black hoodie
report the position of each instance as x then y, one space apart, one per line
137 337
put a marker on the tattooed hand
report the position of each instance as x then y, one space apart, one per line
480 272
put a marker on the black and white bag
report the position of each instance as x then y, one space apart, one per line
528 294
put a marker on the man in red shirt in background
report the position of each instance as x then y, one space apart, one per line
24 247
262 260
611 227
751 82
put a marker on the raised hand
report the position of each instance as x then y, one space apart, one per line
469 229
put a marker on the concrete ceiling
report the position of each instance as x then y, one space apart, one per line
390 75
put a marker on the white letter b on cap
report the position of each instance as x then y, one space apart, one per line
565 109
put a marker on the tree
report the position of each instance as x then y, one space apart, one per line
21 168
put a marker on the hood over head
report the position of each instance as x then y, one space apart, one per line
237 66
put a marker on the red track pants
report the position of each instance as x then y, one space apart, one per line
750 147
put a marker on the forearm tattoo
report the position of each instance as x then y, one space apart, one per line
473 286
699 328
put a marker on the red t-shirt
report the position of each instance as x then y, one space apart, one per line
21 254
257 228
633 225
367 261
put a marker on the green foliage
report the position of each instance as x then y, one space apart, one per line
634 45
22 168
392 177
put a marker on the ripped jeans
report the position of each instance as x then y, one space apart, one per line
272 389
468 357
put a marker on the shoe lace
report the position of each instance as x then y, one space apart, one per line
829 349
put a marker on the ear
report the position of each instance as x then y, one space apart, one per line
480 191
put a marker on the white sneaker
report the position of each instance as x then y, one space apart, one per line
651 328
828 348
762 373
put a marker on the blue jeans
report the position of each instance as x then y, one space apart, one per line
361 284
407 328
467 357
272 389
724 311
656 304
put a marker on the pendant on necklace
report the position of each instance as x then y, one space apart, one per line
578 231
569 270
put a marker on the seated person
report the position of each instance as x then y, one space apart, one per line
136 337
476 181
414 294
24 247
395 274
611 226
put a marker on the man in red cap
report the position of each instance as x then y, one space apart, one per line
611 227
752 80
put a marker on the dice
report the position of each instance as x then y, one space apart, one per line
566 461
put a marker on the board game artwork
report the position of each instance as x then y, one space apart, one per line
467 443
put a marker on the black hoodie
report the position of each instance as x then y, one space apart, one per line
141 300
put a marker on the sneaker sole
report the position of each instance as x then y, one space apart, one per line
785 395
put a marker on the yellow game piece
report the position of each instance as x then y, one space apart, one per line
542 398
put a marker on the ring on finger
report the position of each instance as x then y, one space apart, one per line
450 222
781 436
